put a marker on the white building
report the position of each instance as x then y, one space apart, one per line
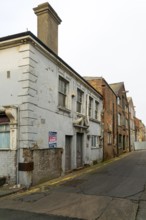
50 117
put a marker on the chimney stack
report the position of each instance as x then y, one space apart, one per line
47 25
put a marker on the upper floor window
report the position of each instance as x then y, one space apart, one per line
118 100
79 100
90 107
126 123
119 119
96 109
63 86
123 103
109 138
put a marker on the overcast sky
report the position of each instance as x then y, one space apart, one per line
96 38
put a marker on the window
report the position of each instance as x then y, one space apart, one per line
119 119
90 106
126 123
63 84
96 109
109 138
120 140
93 141
118 100
8 74
4 136
79 100
123 102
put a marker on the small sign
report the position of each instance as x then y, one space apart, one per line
52 139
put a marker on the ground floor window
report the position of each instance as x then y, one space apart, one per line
120 140
4 136
94 141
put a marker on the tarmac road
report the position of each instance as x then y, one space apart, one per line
115 191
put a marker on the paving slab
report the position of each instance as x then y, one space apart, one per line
120 209
81 206
6 190
141 215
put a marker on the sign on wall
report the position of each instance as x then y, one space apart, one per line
52 139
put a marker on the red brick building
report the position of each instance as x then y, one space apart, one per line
109 116
123 126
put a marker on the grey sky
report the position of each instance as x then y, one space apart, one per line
96 38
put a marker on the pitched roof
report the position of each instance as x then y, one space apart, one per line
116 86
88 78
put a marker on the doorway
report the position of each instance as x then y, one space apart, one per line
79 155
68 141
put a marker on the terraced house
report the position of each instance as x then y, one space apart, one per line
109 116
123 118
50 117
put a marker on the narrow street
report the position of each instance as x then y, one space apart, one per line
115 191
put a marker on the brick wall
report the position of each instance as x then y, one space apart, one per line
109 118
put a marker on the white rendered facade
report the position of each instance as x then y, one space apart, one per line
31 77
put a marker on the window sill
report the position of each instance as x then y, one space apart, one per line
80 114
64 109
94 120
5 149
95 148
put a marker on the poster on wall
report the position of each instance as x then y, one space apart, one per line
52 139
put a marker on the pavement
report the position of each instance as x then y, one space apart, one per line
6 189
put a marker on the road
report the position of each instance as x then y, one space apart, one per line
116 191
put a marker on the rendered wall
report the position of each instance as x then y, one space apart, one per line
47 164
8 165
33 88
140 145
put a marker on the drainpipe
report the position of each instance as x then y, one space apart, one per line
103 118
129 129
18 146
117 125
